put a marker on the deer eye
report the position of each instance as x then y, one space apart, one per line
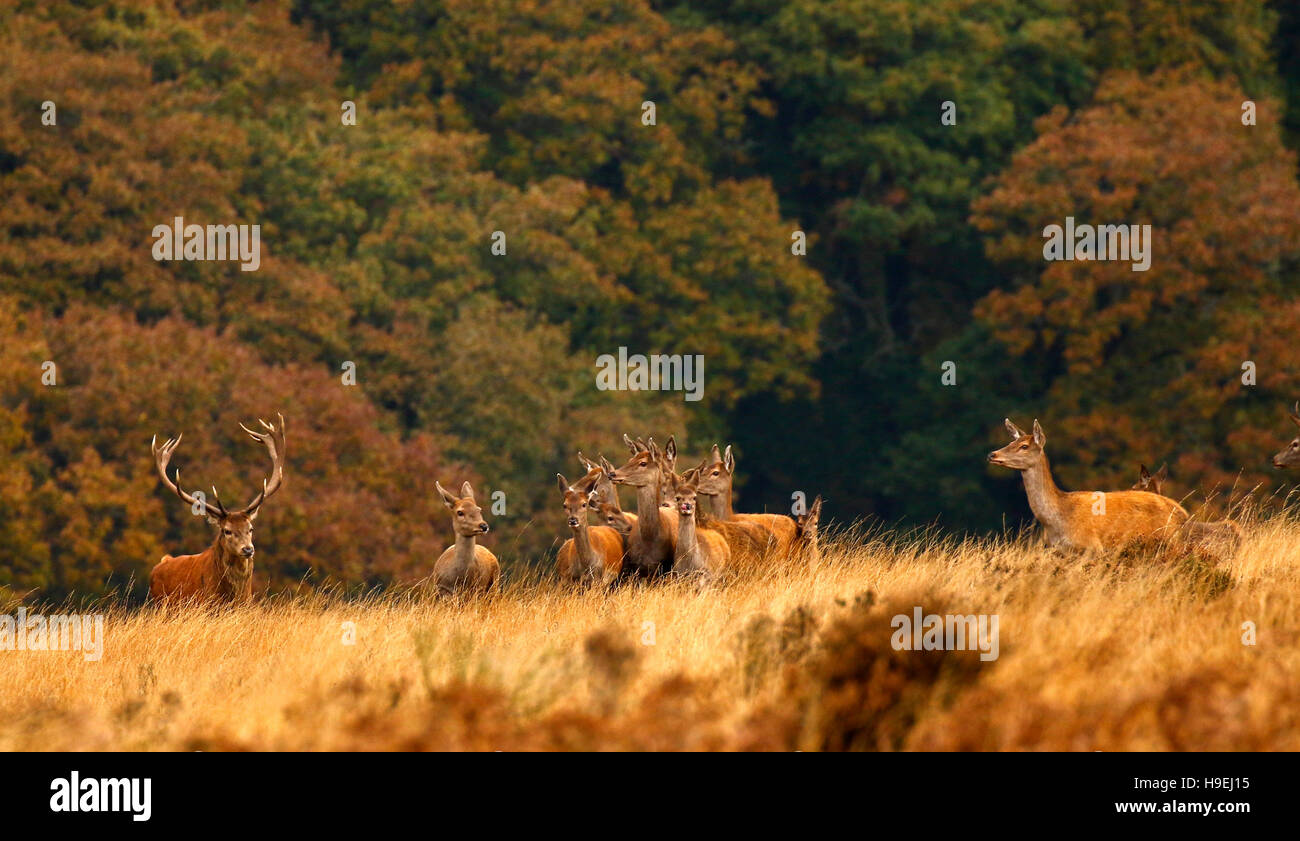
460 513
1024 446
227 531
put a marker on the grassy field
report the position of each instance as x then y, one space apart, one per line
1138 653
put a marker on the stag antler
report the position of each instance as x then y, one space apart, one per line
162 456
273 438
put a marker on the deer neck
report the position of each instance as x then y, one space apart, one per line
720 504
582 544
1044 496
686 538
647 510
230 572
463 557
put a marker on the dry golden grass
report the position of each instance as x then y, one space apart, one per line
1133 654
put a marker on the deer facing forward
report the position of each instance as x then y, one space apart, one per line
595 553
700 551
224 571
1084 519
465 566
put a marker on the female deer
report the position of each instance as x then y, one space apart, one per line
715 482
1085 519
465 566
700 551
594 553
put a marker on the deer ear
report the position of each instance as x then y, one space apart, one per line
448 499
631 445
716 453
670 449
1016 432
728 460
1163 472
467 492
653 448
562 482
1040 438
585 462
1143 473
606 466
1295 416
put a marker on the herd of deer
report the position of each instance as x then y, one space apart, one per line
684 523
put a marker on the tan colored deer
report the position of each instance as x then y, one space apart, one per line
651 545
700 551
224 571
1290 454
595 553
1152 482
465 566
715 481
1083 519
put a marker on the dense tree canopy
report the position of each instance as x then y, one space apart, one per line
664 236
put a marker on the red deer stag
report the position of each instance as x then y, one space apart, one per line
465 566
224 571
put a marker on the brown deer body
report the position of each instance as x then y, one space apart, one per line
465 566
700 551
224 571
1083 519
715 482
651 544
595 553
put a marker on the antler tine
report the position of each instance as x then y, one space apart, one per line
273 438
216 502
161 458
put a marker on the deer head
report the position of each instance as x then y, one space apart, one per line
234 528
579 498
715 475
1290 455
614 517
466 516
1024 451
684 490
807 523
1148 481
603 486
642 469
